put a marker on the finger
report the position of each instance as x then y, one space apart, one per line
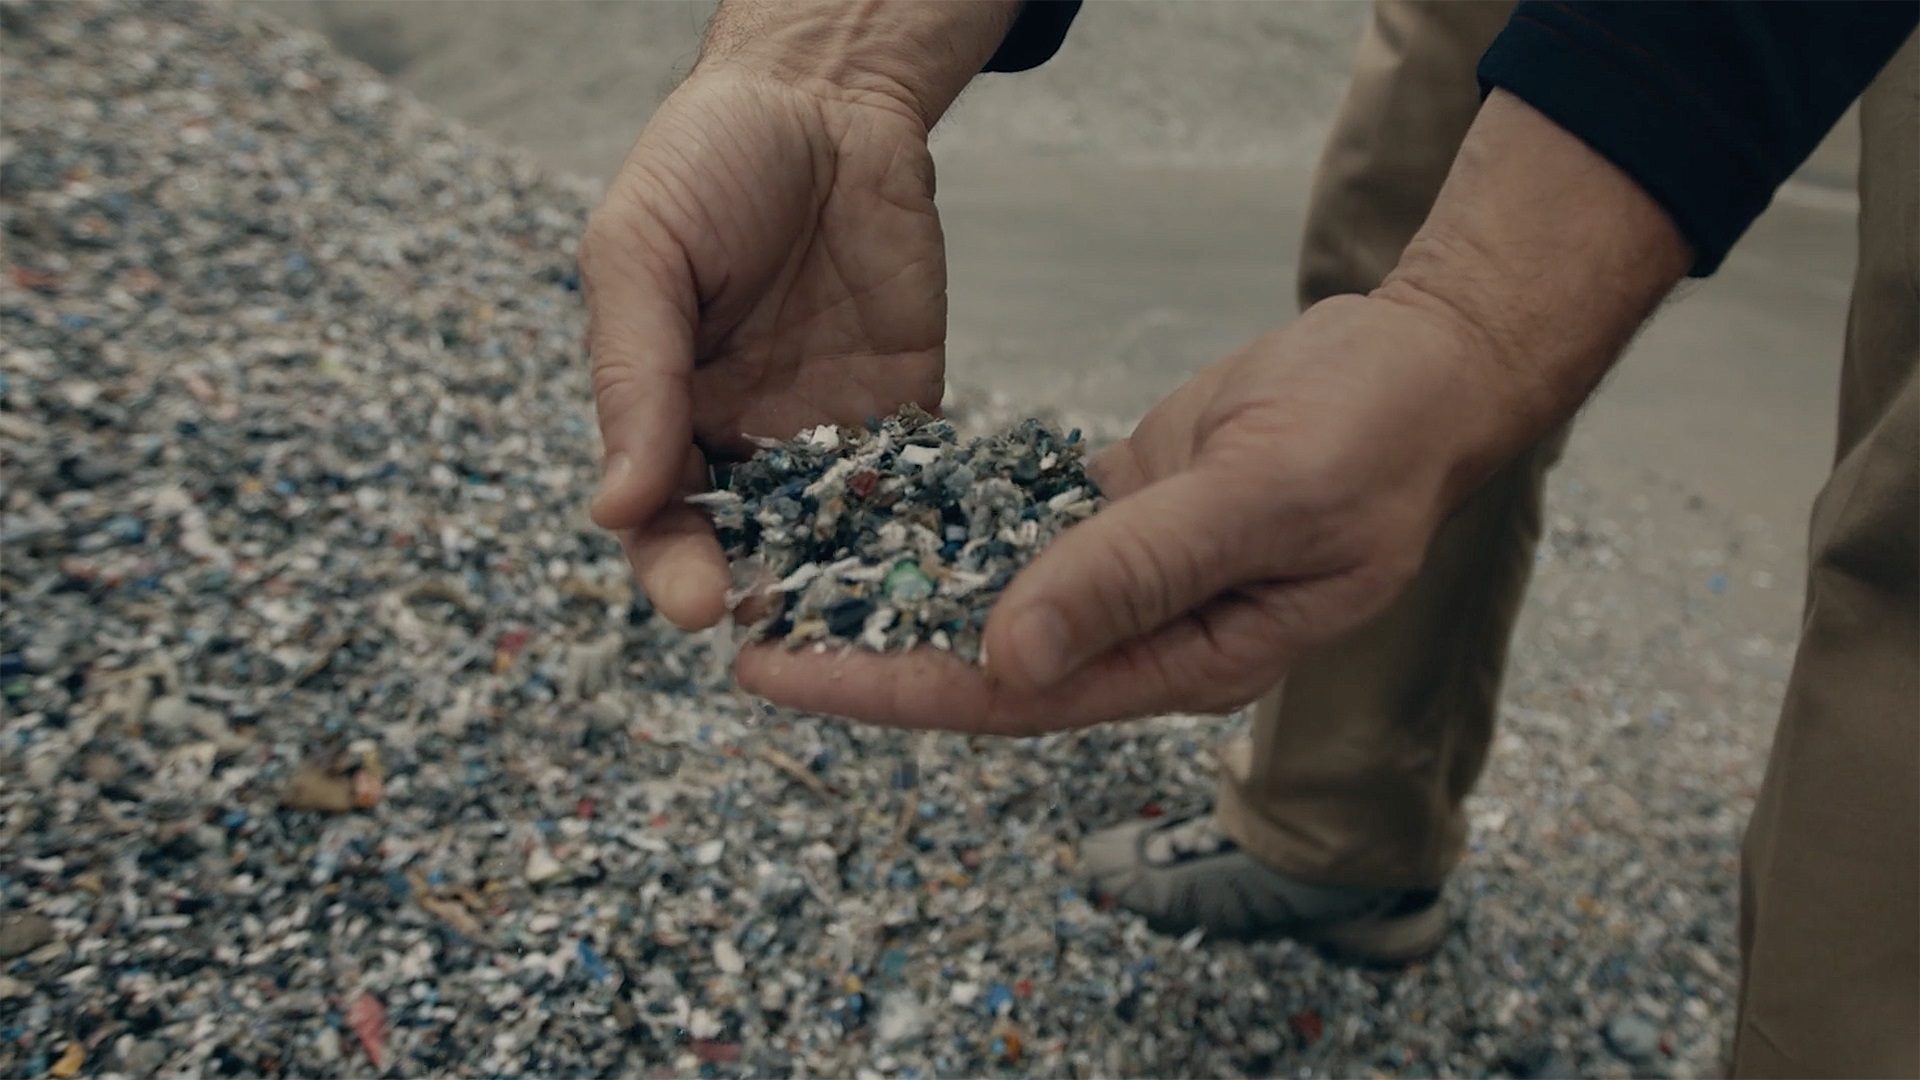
920 688
1215 661
676 558
1218 658
1118 470
1121 574
641 318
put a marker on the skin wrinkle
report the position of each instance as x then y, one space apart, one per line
896 52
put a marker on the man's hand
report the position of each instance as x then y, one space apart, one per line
1273 502
769 258
1285 495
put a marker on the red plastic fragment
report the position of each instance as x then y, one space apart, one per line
714 1052
44 281
368 1018
1307 1024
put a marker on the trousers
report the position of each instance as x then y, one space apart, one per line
1357 765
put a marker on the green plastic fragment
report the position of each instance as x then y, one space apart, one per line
906 583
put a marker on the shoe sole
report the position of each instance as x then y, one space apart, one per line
1386 942
1372 941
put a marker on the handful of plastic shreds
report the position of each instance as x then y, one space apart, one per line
892 535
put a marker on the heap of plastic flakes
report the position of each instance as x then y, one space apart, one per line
896 534
335 742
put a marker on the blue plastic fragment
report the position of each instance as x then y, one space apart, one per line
589 959
999 999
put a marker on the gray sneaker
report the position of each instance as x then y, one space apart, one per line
1185 874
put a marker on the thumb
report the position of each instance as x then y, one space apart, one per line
640 336
1125 572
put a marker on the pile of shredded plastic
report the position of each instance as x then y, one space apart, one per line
896 534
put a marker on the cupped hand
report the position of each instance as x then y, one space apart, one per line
767 259
1272 503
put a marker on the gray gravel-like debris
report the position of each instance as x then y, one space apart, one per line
335 742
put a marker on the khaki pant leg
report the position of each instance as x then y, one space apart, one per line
1830 882
1358 763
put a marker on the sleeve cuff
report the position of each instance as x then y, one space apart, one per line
1035 35
1673 146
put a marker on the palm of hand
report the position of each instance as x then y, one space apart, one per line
769 258
815 254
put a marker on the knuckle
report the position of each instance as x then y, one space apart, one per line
1225 686
600 240
1221 682
1148 577
610 381
1014 720
1280 613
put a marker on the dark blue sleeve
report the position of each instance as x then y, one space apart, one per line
1709 104
1035 36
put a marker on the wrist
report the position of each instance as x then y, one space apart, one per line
1476 380
917 55
1539 261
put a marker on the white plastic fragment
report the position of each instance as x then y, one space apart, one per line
920 455
801 577
542 867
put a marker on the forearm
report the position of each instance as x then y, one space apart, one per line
920 53
1543 259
